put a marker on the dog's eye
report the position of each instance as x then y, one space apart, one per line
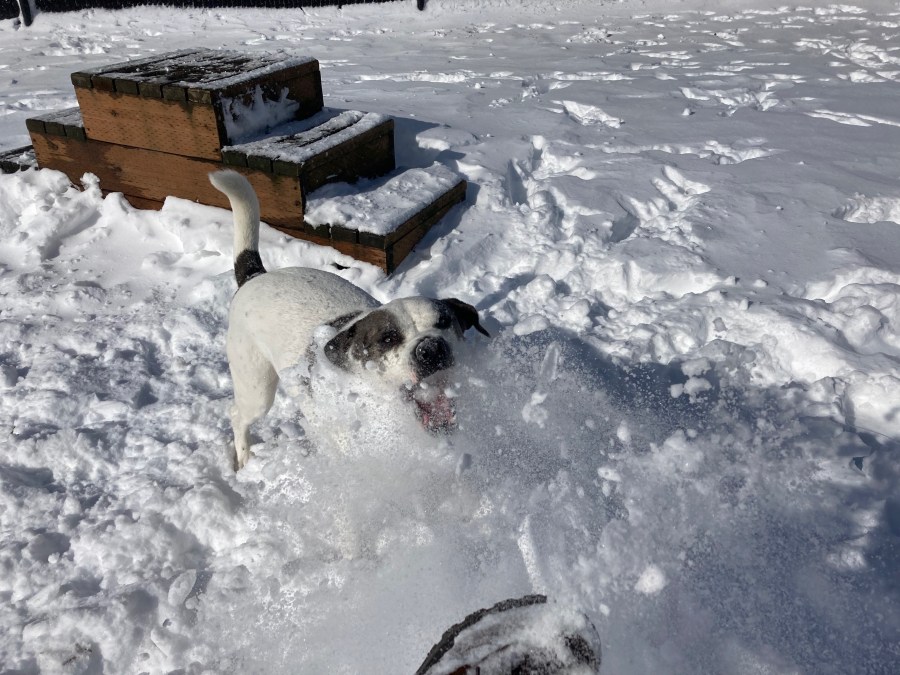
389 338
444 320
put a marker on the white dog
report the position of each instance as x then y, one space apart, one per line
274 316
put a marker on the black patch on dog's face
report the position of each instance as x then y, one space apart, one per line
342 321
369 339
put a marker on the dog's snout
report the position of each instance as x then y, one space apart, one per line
432 354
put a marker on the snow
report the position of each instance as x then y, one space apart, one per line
201 69
379 206
300 141
249 119
685 425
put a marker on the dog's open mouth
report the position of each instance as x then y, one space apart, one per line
434 407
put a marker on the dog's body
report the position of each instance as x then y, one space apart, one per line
275 315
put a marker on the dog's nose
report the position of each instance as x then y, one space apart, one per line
432 354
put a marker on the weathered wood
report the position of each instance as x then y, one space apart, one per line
343 148
17 159
141 203
199 70
65 122
146 178
439 206
373 256
151 175
367 156
419 225
382 253
155 124
343 152
157 127
104 76
183 102
385 251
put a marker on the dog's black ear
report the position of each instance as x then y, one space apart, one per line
337 349
465 314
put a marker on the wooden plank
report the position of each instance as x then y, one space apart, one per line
140 202
151 175
76 132
307 91
386 253
66 122
345 148
263 164
339 233
320 231
442 204
169 124
126 87
288 76
81 80
54 128
103 83
36 124
150 89
17 159
424 221
147 177
389 257
109 72
369 155
156 124
233 158
174 92
367 254
373 240
292 148
178 102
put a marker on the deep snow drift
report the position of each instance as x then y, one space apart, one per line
682 231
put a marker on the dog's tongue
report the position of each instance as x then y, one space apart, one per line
437 412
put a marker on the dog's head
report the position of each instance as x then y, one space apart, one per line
408 343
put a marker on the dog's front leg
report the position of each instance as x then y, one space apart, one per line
241 440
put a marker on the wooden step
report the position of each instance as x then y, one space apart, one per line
341 146
381 221
377 221
147 177
331 146
17 159
156 127
194 102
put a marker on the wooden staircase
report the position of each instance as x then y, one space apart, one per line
156 127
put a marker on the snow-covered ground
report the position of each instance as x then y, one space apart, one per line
683 230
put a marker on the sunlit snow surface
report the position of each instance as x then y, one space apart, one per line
682 231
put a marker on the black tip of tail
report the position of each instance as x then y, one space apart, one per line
247 265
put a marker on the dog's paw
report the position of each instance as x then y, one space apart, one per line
240 460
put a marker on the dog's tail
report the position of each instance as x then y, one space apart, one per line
245 207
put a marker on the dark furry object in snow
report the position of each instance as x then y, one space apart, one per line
524 636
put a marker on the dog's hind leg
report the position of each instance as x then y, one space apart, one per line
255 382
